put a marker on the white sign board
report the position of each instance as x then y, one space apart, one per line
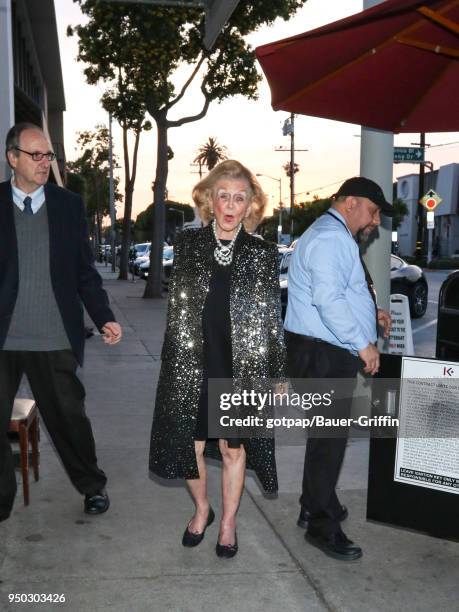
427 451
401 335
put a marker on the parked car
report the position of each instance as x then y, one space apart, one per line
409 280
168 258
405 278
138 250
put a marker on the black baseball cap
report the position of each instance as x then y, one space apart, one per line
365 188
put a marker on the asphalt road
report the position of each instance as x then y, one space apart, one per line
425 328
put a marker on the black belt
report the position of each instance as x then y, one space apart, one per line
312 338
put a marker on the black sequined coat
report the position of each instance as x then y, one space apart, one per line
257 348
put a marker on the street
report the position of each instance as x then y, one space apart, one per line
425 328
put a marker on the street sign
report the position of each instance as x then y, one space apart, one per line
413 155
431 200
430 219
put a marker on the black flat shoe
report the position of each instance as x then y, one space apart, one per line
227 551
336 545
97 503
305 515
191 539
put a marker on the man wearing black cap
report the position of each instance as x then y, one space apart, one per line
331 332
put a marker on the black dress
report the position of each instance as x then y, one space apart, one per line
216 330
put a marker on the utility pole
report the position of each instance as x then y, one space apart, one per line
289 129
111 192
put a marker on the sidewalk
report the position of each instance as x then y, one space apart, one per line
131 559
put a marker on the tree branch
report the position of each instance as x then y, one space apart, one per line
186 85
191 118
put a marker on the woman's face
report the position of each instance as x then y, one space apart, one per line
230 203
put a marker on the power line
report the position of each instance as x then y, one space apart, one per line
320 188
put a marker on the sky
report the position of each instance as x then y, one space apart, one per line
250 130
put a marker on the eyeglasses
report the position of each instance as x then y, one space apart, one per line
37 156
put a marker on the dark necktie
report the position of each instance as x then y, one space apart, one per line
371 289
28 205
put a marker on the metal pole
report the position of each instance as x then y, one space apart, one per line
420 209
111 191
429 247
292 171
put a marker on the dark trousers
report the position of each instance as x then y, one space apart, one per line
60 399
311 359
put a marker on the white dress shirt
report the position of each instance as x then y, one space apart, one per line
38 197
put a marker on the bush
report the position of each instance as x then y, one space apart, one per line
412 259
444 263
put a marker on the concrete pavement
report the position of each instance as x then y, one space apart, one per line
131 559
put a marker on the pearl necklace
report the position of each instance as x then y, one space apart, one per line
223 255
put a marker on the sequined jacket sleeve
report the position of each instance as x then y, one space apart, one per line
276 344
173 289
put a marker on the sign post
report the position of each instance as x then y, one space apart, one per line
430 201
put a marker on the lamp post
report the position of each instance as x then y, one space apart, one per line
279 227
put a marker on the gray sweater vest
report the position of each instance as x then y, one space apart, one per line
36 324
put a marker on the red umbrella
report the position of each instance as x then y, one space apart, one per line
392 67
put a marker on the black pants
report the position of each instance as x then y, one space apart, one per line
309 359
60 398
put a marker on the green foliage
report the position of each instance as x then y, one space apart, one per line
145 220
75 182
444 263
137 48
287 168
304 214
89 173
210 154
400 212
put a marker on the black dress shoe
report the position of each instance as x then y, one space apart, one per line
191 539
96 503
305 515
336 545
227 551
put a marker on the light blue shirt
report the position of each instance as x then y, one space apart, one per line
38 197
328 296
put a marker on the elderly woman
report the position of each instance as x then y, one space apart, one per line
223 323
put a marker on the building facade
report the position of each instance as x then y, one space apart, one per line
445 182
31 84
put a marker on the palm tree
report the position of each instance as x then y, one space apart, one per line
209 154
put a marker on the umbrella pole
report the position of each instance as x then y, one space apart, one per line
292 172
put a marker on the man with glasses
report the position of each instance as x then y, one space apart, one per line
46 275
331 332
